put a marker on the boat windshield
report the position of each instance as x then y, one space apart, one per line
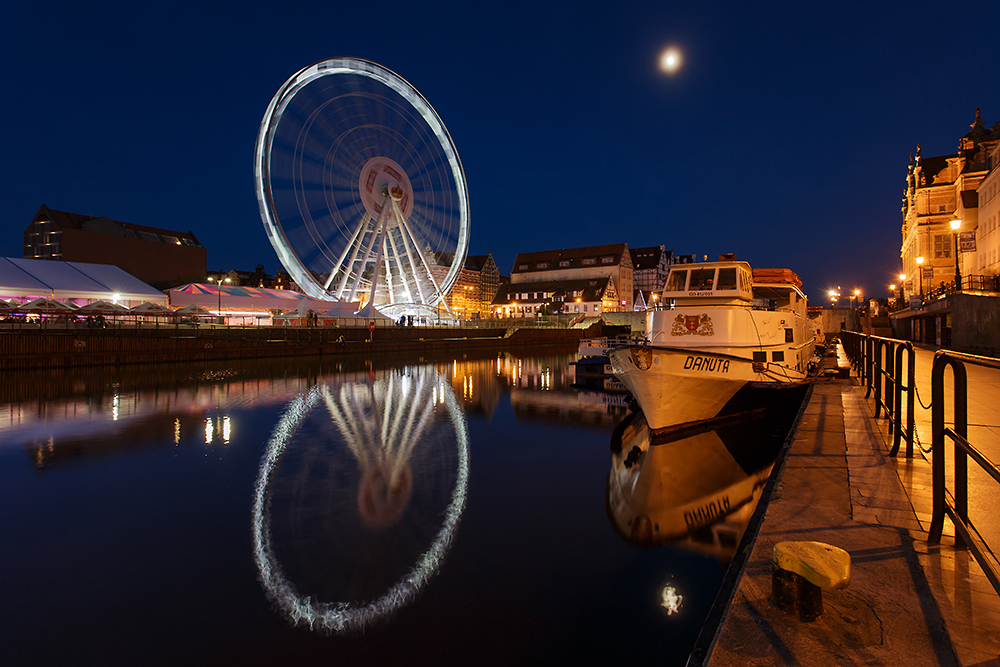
702 279
677 281
727 279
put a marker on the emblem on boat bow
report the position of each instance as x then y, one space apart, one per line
642 358
700 325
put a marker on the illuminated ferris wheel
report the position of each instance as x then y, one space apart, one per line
361 189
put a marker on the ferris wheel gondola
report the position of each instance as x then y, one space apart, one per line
361 189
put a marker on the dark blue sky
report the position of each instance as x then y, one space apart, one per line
785 137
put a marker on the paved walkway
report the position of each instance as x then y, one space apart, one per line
908 602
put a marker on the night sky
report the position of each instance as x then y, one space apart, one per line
784 138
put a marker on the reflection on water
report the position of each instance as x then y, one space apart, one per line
107 411
697 491
354 482
464 498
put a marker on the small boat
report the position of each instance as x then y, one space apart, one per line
593 368
733 340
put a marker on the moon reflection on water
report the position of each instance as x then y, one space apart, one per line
360 491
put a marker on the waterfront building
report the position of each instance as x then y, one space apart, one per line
650 267
938 190
475 288
958 188
151 254
576 270
987 255
584 297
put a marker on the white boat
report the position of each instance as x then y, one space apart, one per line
733 336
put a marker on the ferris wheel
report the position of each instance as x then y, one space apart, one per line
361 189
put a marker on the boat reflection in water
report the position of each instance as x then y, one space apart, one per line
359 494
697 490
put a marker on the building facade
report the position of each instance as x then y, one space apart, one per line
987 255
650 267
939 190
150 254
574 264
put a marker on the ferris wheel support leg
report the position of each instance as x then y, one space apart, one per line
400 267
368 253
413 265
359 236
340 262
422 258
380 239
388 273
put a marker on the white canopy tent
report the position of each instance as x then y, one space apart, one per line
25 279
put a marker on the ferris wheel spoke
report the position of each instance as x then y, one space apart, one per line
339 265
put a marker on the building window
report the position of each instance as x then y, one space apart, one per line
542 265
564 263
522 267
942 246
607 260
588 262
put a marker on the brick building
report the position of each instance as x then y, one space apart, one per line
151 254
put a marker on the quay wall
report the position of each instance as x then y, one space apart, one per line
71 348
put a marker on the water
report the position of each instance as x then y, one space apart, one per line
405 511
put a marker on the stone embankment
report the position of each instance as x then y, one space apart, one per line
70 348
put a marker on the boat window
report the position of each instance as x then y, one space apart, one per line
727 279
702 279
677 282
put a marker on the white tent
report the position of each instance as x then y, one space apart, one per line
72 280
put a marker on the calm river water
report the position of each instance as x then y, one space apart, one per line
396 511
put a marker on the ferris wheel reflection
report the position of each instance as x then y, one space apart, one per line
358 497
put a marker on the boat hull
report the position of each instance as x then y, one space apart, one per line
678 387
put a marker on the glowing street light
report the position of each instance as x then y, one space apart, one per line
219 290
955 225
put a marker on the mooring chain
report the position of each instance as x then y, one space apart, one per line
917 390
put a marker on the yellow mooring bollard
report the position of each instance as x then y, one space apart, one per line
801 571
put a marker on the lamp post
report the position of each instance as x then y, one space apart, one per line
219 282
955 225
920 273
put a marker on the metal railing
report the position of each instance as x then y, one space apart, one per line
879 362
945 503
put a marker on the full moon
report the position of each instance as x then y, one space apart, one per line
670 61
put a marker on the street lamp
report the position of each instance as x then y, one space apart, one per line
219 290
920 273
955 224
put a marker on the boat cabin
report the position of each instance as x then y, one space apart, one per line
711 283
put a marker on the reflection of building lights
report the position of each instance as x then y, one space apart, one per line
670 600
114 407
209 431
177 431
226 429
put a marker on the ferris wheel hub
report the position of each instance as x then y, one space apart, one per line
382 177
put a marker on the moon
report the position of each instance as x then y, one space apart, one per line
670 60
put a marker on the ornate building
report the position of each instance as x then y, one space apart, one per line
938 190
